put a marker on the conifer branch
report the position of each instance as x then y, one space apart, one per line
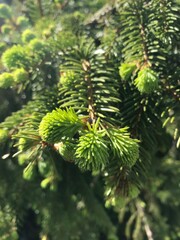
93 124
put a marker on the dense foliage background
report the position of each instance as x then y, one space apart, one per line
89 112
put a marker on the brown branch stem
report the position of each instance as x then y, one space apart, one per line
143 37
145 51
147 228
86 67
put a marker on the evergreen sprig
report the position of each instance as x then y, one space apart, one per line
123 147
58 125
92 151
15 57
94 89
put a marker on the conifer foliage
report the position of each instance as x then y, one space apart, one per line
89 131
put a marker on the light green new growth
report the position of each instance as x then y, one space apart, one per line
59 124
67 78
20 75
30 171
147 80
6 80
15 57
124 148
126 70
92 150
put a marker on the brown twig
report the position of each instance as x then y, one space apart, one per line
86 67
147 228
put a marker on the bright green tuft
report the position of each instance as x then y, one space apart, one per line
20 75
123 147
49 182
92 151
5 11
6 80
15 57
147 80
59 124
29 172
46 182
28 35
67 78
126 70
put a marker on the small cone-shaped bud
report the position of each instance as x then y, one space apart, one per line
126 70
29 172
147 80
67 78
6 80
59 124
20 75
15 57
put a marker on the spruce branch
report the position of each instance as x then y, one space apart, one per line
89 134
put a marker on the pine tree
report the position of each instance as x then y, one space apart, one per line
89 116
